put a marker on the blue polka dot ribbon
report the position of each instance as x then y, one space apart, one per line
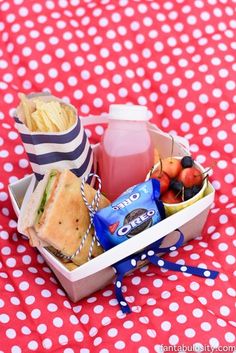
150 253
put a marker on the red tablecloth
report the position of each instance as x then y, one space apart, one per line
176 57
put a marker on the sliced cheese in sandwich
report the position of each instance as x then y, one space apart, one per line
57 216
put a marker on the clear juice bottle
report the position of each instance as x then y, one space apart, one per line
126 150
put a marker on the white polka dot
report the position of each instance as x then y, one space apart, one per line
143 349
11 262
224 310
197 313
176 114
221 322
173 339
36 313
23 163
4 318
223 246
6 250
53 73
223 277
30 300
230 231
157 283
84 319
207 141
33 345
92 89
79 336
144 290
99 130
97 102
190 332
123 92
8 167
229 148
39 78
42 328
57 322
113 332
19 149
206 326
17 273
73 318
207 273
26 259
120 345
8 98
47 343
40 280
230 259
78 94
230 337
13 224
230 85
60 53
188 299
9 288
24 286
63 339
16 349
11 333
97 341
128 324
165 294
160 263
166 326
59 86
98 309
136 337
196 86
181 319
214 342
224 105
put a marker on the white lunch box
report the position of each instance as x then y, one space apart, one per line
99 272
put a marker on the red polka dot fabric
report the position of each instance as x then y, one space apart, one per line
179 59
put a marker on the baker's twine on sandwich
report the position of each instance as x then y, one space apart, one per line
92 208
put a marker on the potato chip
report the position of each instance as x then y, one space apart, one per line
47 122
65 118
70 116
26 109
46 116
55 115
39 122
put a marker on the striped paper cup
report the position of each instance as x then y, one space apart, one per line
68 149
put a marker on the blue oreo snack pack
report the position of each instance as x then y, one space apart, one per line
135 210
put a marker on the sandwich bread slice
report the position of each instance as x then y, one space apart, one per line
56 215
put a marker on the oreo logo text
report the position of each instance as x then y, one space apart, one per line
127 201
136 222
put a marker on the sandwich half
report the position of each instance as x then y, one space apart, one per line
56 215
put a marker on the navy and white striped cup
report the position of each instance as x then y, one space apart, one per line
68 149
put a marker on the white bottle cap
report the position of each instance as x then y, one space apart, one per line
128 112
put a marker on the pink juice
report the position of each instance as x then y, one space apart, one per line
120 173
126 151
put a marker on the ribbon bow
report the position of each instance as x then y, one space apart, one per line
129 263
